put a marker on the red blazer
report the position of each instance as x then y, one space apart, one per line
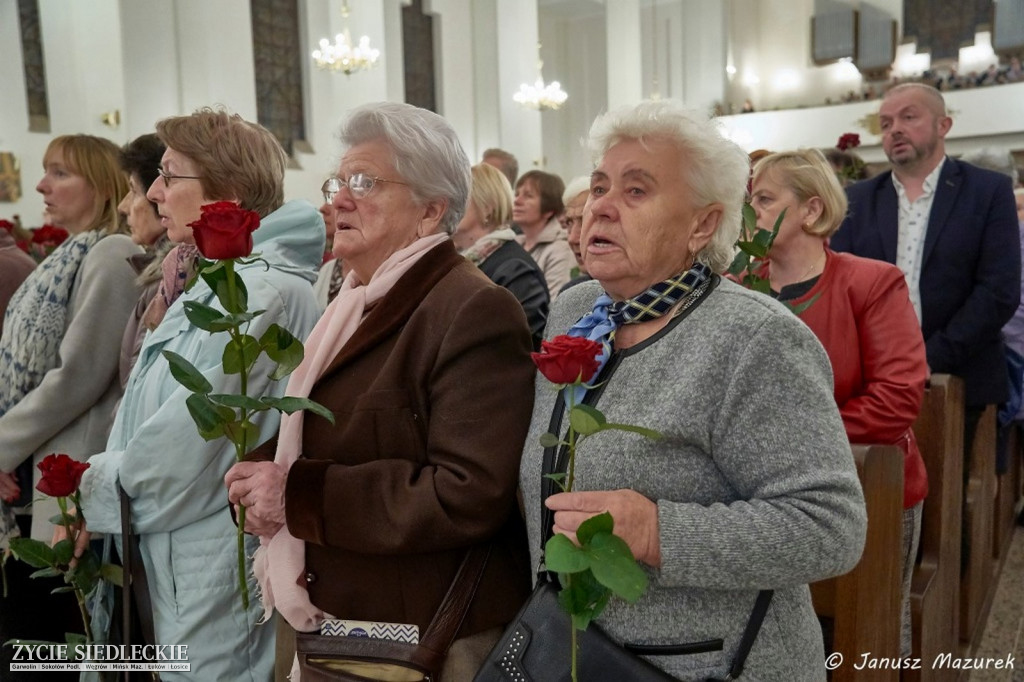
864 319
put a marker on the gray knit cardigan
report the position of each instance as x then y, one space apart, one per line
754 480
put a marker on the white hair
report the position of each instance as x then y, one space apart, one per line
576 186
426 150
715 168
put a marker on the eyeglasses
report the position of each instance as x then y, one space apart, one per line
359 184
168 177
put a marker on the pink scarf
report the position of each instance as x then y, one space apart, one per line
280 560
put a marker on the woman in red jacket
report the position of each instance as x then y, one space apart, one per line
860 310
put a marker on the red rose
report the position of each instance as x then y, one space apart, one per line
49 235
567 359
224 230
6 225
61 475
848 141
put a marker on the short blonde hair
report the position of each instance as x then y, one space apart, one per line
807 174
96 160
491 195
234 158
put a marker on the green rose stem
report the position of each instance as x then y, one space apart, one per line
240 447
62 503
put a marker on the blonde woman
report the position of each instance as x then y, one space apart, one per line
485 238
59 357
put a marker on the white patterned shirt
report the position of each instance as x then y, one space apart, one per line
913 224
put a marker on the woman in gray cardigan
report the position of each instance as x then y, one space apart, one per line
752 486
58 364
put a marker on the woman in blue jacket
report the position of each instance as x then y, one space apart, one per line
173 478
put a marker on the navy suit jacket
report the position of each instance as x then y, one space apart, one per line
970 272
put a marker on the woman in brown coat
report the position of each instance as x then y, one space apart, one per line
425 365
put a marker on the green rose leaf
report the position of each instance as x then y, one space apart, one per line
740 262
800 307
289 405
45 573
764 238
243 402
602 523
563 556
559 479
66 588
209 418
586 420
112 574
283 348
240 354
201 315
62 519
749 217
647 433
63 551
74 639
220 278
614 566
86 572
186 374
35 553
753 248
234 320
584 598
549 440
244 433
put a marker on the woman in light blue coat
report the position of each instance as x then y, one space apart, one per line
173 478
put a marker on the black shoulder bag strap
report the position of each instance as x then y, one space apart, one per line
135 585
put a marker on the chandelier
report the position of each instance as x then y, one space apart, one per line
342 55
539 96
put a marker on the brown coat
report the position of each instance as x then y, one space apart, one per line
432 397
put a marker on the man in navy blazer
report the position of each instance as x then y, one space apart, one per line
952 228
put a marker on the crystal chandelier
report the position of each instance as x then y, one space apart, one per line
539 96
342 55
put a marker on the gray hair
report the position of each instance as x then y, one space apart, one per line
426 152
993 158
576 186
715 168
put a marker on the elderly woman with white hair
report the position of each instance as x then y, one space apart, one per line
751 486
425 365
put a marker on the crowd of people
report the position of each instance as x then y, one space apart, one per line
419 289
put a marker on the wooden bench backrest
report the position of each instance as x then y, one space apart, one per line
864 604
935 586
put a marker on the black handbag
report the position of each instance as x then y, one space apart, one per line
536 646
325 658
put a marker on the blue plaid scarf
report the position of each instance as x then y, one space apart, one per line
607 316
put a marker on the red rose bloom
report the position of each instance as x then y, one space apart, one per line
567 359
48 235
848 141
61 475
224 230
6 225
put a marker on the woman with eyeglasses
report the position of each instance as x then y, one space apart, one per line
333 271
59 364
425 364
172 478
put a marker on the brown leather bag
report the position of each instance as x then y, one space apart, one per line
324 658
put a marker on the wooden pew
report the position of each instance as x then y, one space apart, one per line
1007 496
935 584
864 604
978 581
